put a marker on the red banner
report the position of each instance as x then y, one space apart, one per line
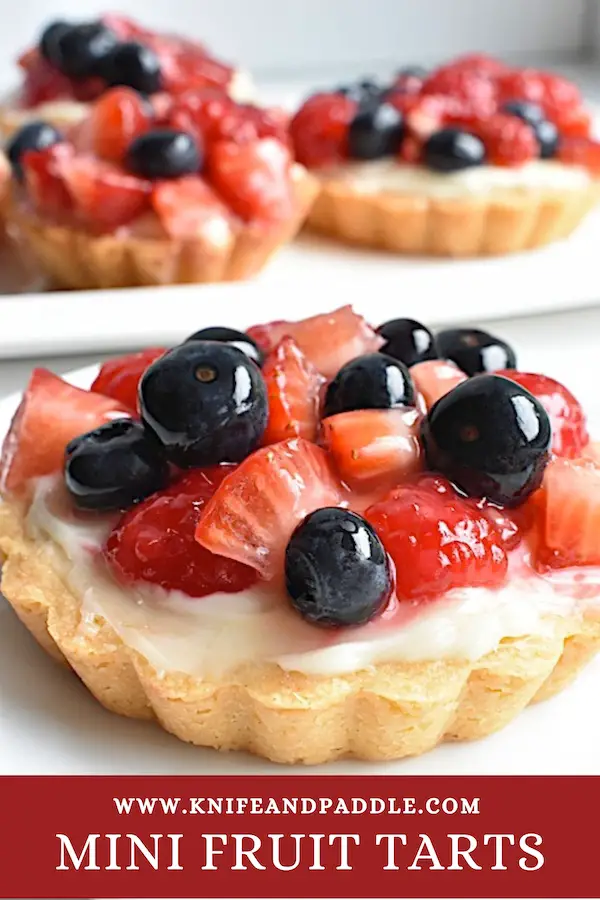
299 837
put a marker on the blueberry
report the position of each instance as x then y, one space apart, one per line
133 65
374 381
206 402
48 43
81 50
230 336
164 153
114 466
548 138
34 136
523 109
450 150
475 351
376 130
546 132
490 437
412 72
408 341
336 569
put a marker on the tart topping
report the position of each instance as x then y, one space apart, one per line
134 65
81 50
206 402
293 392
569 513
120 377
490 437
49 46
115 120
238 339
114 466
451 150
164 153
475 351
408 341
336 569
374 381
33 136
376 130
434 378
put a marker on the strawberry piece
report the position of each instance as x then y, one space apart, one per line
253 178
43 172
189 208
42 82
550 91
104 196
154 542
465 82
567 418
581 152
374 447
570 515
479 62
438 540
51 413
293 388
114 121
434 378
329 340
509 141
253 513
430 112
210 115
119 377
319 130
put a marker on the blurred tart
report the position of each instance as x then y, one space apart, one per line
472 159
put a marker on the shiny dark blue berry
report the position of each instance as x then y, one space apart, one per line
48 43
548 138
451 150
490 437
373 381
523 109
114 466
164 153
206 402
34 136
408 341
475 351
337 572
134 65
376 131
81 50
230 336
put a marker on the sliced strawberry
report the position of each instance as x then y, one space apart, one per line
374 447
569 426
508 140
465 82
118 117
438 540
44 182
255 510
51 413
319 130
293 388
434 378
42 82
189 208
570 514
154 542
210 115
119 377
104 196
253 178
581 152
329 340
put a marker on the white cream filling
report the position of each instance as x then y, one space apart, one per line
208 636
391 176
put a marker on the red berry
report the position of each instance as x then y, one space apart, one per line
329 340
430 112
434 378
319 130
189 208
480 62
569 427
51 413
575 122
254 512
465 83
569 515
254 178
42 82
43 171
103 195
293 388
581 152
210 115
549 90
509 141
438 540
154 541
114 121
119 377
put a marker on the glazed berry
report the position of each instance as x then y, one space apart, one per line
230 336
206 403
490 437
164 153
376 130
548 138
451 150
48 44
120 376
475 351
528 112
134 65
408 341
337 572
374 381
114 466
81 50
412 72
34 136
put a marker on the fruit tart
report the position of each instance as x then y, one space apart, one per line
204 190
74 63
310 540
475 158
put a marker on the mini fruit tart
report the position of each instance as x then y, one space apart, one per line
472 159
310 540
74 63
207 190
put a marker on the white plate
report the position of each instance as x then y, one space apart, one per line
51 725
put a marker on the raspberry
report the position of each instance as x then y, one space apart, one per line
154 541
581 152
508 140
319 129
